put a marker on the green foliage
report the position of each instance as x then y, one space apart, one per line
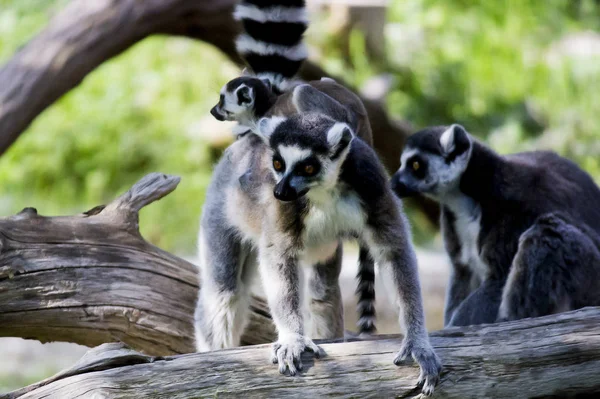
138 113
495 66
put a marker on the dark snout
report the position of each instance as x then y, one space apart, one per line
215 112
285 191
400 186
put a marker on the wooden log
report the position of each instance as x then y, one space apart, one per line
92 278
550 357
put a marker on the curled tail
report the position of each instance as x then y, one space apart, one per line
272 42
366 292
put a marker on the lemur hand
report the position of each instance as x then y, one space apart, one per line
422 353
288 349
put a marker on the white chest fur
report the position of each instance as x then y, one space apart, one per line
330 216
467 226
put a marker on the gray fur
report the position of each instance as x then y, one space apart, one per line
348 198
522 231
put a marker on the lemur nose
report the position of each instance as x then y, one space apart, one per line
215 112
401 189
285 193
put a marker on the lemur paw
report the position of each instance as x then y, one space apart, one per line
430 364
288 349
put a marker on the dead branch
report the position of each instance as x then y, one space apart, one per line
92 278
550 357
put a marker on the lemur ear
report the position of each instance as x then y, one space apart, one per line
244 94
455 140
246 72
267 83
266 126
339 137
307 99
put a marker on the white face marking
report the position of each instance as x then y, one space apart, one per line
230 104
292 155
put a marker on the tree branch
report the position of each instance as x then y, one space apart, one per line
555 356
91 279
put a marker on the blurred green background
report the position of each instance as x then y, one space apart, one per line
520 74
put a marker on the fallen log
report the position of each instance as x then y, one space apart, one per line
549 357
92 278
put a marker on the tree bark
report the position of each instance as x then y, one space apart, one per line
92 278
550 357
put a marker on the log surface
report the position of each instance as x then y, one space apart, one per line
554 356
92 278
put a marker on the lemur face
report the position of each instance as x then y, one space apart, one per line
432 162
238 97
307 152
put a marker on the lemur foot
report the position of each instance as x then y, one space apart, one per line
430 364
288 349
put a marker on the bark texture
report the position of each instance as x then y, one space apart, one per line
550 357
92 278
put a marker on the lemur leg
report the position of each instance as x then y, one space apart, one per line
226 270
556 269
325 297
460 287
393 252
279 270
481 306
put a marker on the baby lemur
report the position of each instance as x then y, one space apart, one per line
318 185
522 230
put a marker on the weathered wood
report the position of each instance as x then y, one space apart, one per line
554 356
92 278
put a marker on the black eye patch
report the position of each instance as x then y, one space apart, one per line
221 100
278 163
417 166
308 167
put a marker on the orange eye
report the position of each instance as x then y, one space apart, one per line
309 169
416 165
277 165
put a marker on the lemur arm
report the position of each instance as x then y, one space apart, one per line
461 282
279 270
390 243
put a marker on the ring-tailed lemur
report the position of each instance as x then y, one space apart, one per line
522 231
318 185
273 47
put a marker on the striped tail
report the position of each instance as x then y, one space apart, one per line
272 42
366 292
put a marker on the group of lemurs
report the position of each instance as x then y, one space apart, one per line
522 231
